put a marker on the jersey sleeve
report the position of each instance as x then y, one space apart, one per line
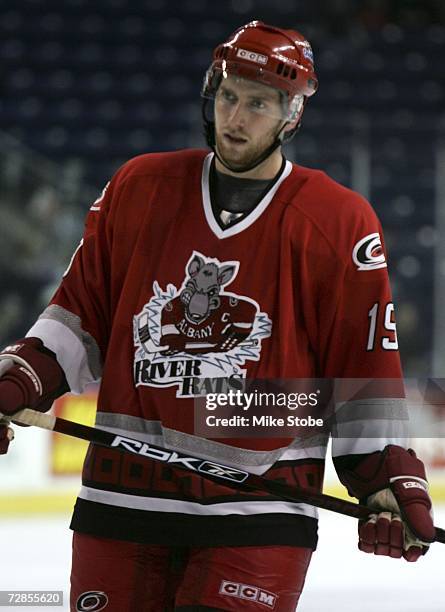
358 341
76 323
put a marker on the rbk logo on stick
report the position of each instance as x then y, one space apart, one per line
178 460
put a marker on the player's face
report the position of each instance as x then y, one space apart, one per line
247 120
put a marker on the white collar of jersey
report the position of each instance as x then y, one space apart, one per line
251 217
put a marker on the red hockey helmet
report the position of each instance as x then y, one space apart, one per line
272 56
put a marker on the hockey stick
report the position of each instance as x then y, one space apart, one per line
216 472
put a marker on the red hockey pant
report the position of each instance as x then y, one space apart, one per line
144 578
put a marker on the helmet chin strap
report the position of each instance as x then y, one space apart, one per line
256 162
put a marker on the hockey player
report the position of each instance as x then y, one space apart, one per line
197 266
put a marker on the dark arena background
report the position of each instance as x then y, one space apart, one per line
84 86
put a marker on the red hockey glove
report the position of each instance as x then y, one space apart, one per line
30 377
393 481
6 436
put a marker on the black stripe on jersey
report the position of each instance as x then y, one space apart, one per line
177 529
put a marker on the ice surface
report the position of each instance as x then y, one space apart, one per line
36 554
343 579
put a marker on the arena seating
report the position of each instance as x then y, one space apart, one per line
101 82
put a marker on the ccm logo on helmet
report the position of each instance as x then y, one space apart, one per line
252 57
246 591
368 253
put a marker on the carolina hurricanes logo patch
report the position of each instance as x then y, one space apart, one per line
192 336
368 253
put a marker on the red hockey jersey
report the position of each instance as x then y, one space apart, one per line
159 302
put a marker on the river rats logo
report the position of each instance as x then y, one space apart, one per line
198 335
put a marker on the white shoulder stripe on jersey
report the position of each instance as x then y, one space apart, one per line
70 352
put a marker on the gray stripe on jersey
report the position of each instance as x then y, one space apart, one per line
74 323
253 461
384 419
380 408
368 425
127 423
250 459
